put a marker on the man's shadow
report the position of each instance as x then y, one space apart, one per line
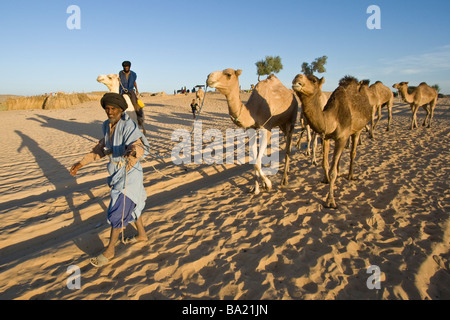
59 176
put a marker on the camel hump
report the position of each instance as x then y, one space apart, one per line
347 81
271 82
423 84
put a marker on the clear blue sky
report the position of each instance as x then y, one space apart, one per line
178 43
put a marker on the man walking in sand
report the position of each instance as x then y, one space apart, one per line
128 84
125 144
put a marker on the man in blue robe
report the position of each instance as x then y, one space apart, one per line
125 144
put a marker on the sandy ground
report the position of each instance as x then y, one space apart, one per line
209 238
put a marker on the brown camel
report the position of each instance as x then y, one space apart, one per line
345 115
423 96
270 105
379 96
306 127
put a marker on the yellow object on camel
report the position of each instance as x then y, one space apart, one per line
140 103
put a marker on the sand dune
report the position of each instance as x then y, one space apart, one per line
208 237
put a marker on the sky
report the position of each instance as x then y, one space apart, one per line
175 44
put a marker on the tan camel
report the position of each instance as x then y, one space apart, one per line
270 105
199 95
423 96
379 96
345 115
112 82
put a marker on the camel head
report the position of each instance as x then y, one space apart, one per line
307 85
364 84
401 86
224 81
111 81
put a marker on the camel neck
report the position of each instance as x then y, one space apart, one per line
312 109
406 96
238 111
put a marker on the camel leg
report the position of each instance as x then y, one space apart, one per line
378 118
254 149
258 172
267 184
315 137
427 110
389 116
338 149
414 117
355 138
308 132
299 142
288 135
432 106
325 165
372 124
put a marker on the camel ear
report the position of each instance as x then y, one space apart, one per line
238 72
321 82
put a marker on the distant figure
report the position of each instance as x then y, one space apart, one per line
194 106
128 85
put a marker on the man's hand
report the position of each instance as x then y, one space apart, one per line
77 166
130 152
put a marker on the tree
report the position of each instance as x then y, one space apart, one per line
437 88
317 65
268 66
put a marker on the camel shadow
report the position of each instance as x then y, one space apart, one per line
60 178
89 131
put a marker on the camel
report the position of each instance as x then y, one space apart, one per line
270 105
345 115
423 96
112 82
199 95
306 127
379 96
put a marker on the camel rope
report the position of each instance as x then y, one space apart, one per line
124 199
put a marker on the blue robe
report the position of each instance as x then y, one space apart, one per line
125 133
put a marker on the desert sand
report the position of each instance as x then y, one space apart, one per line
209 238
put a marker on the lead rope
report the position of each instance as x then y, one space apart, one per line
124 198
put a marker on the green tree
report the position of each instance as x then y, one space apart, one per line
317 65
268 66
437 88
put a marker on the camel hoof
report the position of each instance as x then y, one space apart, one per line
331 204
267 186
256 189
